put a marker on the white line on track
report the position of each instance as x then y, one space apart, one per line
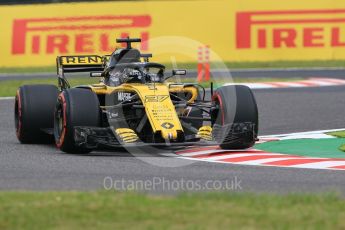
285 69
217 158
267 160
292 69
191 154
196 153
311 82
6 98
324 164
302 133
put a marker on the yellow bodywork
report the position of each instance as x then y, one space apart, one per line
126 135
155 98
205 133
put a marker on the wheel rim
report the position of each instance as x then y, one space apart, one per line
17 115
59 121
219 117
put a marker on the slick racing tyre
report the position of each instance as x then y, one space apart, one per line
34 113
74 107
235 121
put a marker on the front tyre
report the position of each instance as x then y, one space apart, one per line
235 118
74 107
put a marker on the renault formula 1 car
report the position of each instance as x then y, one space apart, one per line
133 105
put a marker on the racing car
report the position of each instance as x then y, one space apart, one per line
134 104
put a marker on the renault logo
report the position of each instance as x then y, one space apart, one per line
167 125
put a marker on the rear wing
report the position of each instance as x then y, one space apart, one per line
73 64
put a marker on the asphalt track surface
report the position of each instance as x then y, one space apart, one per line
43 167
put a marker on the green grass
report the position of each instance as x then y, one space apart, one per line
231 65
339 134
107 210
342 148
41 69
8 87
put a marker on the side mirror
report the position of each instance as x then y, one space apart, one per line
177 72
96 74
180 72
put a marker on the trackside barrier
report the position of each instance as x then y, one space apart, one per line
203 63
200 64
207 63
236 30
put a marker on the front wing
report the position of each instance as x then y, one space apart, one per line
94 137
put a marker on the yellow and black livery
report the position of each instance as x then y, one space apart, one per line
134 105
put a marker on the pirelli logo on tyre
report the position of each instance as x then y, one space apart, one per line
290 29
77 35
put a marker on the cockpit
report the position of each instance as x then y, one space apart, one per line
138 72
125 66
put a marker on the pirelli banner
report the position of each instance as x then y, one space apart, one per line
235 30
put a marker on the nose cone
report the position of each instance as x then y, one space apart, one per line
169 134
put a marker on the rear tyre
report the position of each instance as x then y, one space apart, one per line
236 119
74 107
34 113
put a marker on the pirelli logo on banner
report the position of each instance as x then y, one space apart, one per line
290 29
78 35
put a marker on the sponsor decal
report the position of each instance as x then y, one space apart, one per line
167 125
86 34
123 96
156 98
135 73
246 32
290 29
82 60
